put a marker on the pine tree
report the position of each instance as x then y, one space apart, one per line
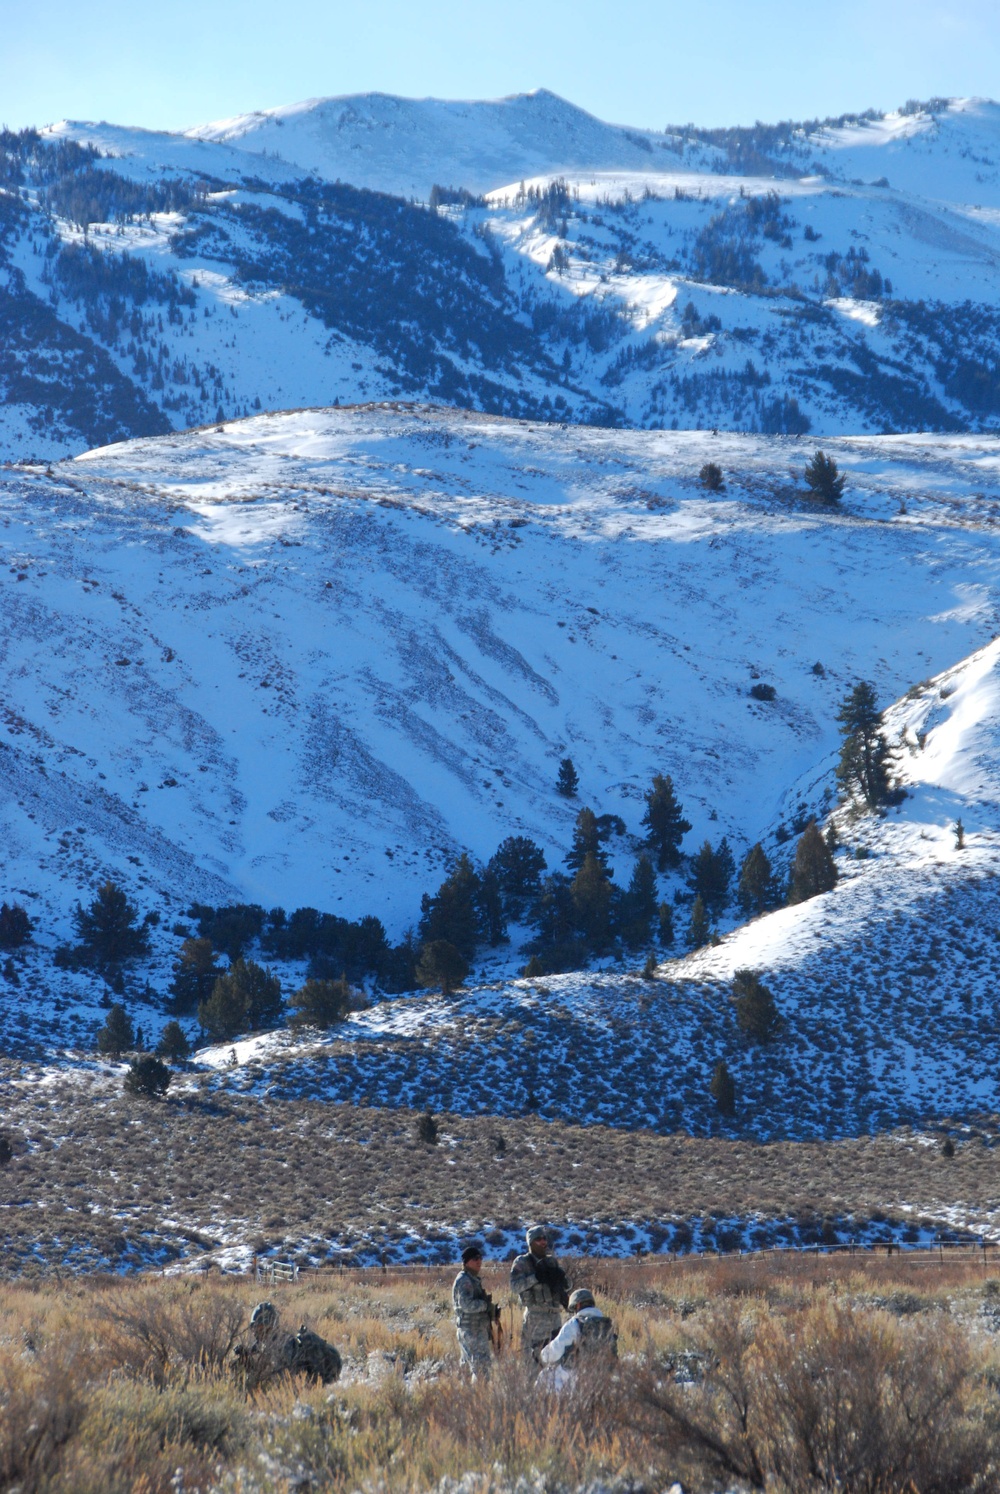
823 480
107 929
452 913
711 872
591 893
426 1129
665 824
320 1003
814 869
261 993
699 929
725 869
15 926
223 1015
665 924
117 1035
586 840
555 913
754 890
518 864
147 1076
173 1044
864 751
489 905
195 974
246 998
722 1089
639 904
568 780
441 967
756 1014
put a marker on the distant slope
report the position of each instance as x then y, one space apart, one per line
823 278
404 146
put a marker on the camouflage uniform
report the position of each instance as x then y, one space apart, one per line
542 1286
272 1354
472 1321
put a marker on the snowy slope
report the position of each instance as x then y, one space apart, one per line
405 146
824 279
950 155
144 155
304 660
886 987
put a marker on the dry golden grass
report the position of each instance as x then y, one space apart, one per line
793 1374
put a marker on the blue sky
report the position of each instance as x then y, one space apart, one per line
642 62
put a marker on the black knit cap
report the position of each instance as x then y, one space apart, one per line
472 1252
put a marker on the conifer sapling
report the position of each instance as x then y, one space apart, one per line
722 1089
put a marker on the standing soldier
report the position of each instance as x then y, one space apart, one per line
540 1282
474 1313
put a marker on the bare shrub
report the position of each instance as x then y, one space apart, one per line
192 1331
43 1402
829 1398
514 1421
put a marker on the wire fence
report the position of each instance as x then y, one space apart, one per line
980 1252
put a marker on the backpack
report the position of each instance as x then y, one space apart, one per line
313 1356
597 1335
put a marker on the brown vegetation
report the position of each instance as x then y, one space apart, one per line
802 1375
98 1177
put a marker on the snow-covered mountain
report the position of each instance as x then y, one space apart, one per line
306 659
405 146
826 277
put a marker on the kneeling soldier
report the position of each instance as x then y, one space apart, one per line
541 1283
271 1354
475 1313
587 1337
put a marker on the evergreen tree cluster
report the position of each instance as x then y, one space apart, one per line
393 275
15 926
245 998
88 274
89 194
334 946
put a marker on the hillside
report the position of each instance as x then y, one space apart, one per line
822 277
404 146
306 660
885 987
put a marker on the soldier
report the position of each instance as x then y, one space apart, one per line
474 1313
264 1357
588 1336
540 1282
271 1353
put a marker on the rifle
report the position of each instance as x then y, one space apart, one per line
496 1324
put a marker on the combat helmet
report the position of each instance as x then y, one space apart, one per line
264 1316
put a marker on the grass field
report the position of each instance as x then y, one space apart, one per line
798 1373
